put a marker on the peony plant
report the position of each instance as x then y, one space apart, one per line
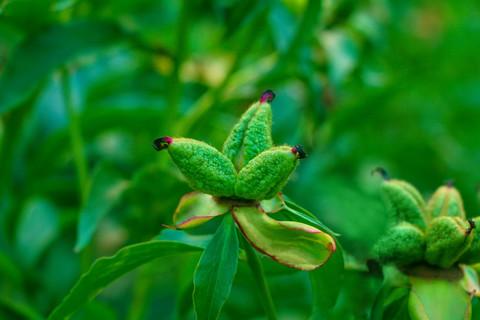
431 244
245 181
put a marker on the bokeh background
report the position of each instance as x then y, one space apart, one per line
85 86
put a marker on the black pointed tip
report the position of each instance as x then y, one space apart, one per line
299 152
162 143
382 172
472 226
450 183
267 96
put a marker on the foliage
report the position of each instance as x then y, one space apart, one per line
86 85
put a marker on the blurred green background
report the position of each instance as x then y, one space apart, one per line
85 86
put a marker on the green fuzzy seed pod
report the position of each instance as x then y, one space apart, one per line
447 239
410 189
258 137
402 245
405 202
446 201
205 168
252 133
472 255
233 146
264 176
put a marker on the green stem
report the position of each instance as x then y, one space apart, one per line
257 271
77 144
75 135
141 291
213 95
311 14
287 61
180 53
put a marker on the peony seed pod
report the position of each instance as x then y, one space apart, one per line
264 176
404 200
403 244
447 239
252 133
472 255
205 168
446 201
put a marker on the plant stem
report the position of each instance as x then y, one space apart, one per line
141 289
75 135
257 271
78 154
174 97
213 96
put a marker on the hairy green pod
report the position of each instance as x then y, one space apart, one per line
413 192
252 133
447 239
402 245
406 203
205 168
446 201
472 255
264 176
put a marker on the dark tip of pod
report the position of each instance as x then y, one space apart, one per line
299 152
471 227
267 96
162 143
450 183
382 172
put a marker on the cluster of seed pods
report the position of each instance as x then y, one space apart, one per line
249 167
436 232
245 180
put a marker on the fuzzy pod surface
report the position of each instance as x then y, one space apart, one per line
205 168
264 176
446 201
447 239
406 203
413 192
252 133
402 245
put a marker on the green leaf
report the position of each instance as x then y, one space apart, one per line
215 271
294 244
273 205
37 228
105 270
326 284
200 241
326 281
470 281
95 310
196 208
19 310
306 216
342 53
107 188
391 303
53 47
438 299
282 26
9 270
